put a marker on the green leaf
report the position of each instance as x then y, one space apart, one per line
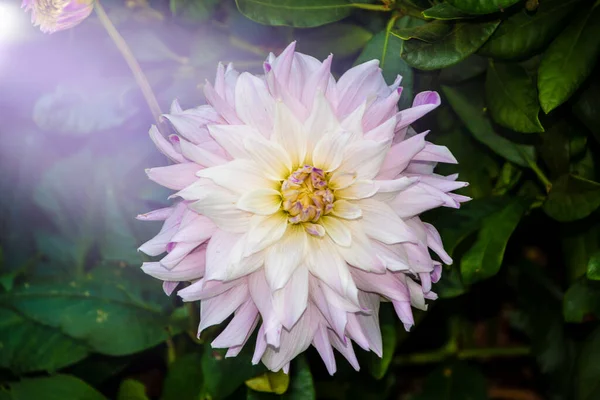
379 366
222 376
460 42
130 389
525 33
194 10
270 382
476 164
109 317
581 300
387 48
298 13
456 226
301 384
569 60
482 6
467 102
581 240
539 316
468 68
450 284
588 368
572 198
445 11
457 381
430 32
484 258
512 98
587 106
593 268
555 147
184 379
92 106
57 387
28 346
345 39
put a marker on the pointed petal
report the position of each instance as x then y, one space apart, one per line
290 301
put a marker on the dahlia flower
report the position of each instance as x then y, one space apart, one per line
57 15
298 212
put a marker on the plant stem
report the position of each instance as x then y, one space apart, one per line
443 353
138 74
372 7
538 172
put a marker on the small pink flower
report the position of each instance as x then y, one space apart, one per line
57 15
299 212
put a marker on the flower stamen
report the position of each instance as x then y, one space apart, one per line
307 197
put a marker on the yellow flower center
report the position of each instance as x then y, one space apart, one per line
306 195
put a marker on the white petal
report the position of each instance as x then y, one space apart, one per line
270 157
239 329
290 302
358 190
323 346
337 230
321 120
289 133
260 201
219 205
345 209
261 295
365 158
326 264
360 254
264 231
283 257
216 309
253 103
353 122
239 176
199 155
380 222
341 180
231 138
329 151
293 342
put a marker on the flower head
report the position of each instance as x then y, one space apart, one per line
57 15
299 211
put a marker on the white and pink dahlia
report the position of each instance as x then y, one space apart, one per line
299 208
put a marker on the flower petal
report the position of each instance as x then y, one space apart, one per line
364 157
254 104
290 301
283 257
289 133
345 209
238 330
231 138
270 157
337 230
380 222
260 201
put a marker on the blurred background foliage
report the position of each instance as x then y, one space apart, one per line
518 311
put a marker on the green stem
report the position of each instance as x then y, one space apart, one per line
443 353
138 74
372 7
538 172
